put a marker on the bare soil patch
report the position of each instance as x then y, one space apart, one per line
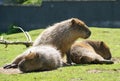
116 59
103 70
9 71
76 79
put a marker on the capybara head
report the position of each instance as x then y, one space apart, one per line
105 51
101 48
81 28
30 63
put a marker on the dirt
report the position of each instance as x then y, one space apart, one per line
116 59
103 70
76 79
9 71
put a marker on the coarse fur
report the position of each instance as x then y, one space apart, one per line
88 51
38 58
63 34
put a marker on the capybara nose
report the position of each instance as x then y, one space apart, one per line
108 58
21 67
88 34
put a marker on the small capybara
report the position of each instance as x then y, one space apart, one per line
63 34
90 52
38 58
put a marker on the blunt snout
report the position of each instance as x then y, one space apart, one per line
109 57
88 33
21 67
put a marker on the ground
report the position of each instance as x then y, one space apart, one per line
85 72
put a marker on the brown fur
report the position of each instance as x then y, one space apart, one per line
38 58
90 52
62 35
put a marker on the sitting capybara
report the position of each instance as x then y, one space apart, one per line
88 52
63 34
38 58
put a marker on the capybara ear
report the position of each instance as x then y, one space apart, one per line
101 43
73 21
31 55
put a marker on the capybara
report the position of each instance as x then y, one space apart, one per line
63 34
38 58
88 52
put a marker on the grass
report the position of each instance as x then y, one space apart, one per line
86 72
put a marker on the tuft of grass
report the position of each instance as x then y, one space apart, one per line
86 72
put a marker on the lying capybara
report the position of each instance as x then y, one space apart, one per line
87 52
63 34
38 58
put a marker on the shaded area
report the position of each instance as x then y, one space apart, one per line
115 59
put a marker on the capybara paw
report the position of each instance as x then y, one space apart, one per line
110 62
8 66
73 64
66 64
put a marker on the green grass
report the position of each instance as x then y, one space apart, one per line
104 72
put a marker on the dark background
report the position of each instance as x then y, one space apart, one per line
93 13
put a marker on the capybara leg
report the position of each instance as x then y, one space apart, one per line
106 62
85 60
69 61
103 62
65 64
8 66
15 62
